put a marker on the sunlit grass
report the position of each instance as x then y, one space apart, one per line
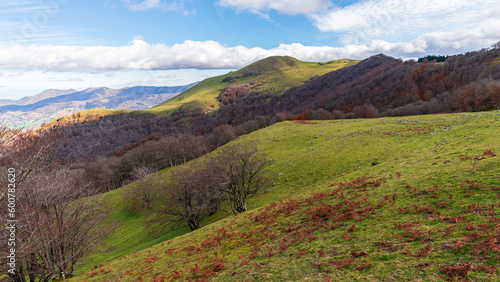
420 175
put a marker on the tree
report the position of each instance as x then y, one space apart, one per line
143 193
106 173
25 151
222 135
58 227
192 195
242 169
173 151
365 111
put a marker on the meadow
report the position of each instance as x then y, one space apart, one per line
366 199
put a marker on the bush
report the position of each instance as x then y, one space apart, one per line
365 111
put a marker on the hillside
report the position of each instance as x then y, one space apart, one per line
384 86
272 75
251 98
110 132
51 104
368 199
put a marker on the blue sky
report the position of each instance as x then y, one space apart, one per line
78 44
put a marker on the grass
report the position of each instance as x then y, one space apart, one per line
391 198
274 74
87 115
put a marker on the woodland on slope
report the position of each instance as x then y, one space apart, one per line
96 153
377 86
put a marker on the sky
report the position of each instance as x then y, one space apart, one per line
63 44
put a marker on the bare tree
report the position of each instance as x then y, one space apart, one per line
174 151
106 173
242 170
58 227
192 195
222 134
25 151
143 193
366 111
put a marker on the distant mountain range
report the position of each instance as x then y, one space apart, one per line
33 111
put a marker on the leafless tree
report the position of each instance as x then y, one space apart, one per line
242 170
192 195
366 111
57 225
105 173
143 193
174 151
25 151
222 134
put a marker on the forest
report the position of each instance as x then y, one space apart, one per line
104 153
108 148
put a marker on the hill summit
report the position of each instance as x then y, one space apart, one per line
273 75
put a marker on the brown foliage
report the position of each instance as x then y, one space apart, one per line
358 254
460 271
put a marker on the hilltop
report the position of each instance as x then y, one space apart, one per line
390 198
272 75
350 198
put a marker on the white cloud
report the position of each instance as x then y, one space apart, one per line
393 19
289 7
389 20
210 54
173 5
147 4
141 55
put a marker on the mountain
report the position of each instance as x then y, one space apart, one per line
382 86
43 95
270 75
6 102
370 199
352 198
51 104
377 86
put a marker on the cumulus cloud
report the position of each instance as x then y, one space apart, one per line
391 19
141 55
288 7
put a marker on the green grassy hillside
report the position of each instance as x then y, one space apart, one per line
272 75
86 115
394 198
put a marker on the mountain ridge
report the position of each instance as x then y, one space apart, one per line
274 74
50 104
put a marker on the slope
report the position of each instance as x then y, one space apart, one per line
390 198
383 86
51 104
272 75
